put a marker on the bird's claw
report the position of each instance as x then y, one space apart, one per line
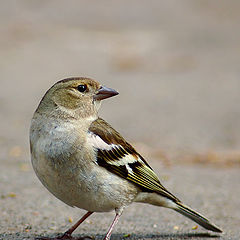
65 236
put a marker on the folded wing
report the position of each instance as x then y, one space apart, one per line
120 158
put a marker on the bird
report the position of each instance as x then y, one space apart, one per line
86 163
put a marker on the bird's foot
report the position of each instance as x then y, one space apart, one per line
65 236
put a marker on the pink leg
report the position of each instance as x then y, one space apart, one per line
68 234
70 230
109 233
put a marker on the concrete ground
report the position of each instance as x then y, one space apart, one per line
28 210
176 66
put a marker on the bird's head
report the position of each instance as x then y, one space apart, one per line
75 96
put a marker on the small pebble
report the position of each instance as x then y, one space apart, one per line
176 227
195 227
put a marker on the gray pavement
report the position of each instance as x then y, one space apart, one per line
29 210
176 66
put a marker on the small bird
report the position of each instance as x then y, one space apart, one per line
87 164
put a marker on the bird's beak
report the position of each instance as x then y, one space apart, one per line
104 92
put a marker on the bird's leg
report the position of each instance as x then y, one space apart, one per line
69 232
109 233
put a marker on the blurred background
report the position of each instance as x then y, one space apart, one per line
174 63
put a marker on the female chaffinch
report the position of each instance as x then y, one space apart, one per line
85 163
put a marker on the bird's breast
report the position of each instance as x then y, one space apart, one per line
66 165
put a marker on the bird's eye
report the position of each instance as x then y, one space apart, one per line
82 88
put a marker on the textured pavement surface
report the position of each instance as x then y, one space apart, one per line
28 210
176 66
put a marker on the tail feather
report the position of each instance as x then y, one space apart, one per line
187 212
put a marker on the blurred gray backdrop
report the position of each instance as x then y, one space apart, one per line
175 64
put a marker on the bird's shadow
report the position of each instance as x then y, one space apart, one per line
160 236
22 236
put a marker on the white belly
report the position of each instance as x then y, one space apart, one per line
96 191
75 180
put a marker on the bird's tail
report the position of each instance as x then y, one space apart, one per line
196 217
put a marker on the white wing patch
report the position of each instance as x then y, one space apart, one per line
129 158
129 169
98 143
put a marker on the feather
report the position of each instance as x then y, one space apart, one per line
201 220
120 158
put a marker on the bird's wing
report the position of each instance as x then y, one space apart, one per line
119 157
